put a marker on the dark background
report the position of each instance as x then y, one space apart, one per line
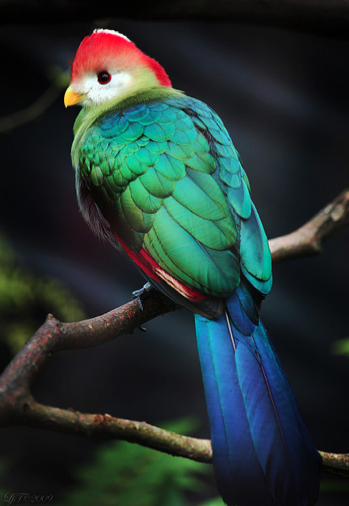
284 99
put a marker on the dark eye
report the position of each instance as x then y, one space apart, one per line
104 77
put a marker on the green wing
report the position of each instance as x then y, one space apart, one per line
167 178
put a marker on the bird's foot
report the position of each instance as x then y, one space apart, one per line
137 294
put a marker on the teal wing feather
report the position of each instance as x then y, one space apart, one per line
167 178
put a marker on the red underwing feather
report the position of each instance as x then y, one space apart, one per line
152 270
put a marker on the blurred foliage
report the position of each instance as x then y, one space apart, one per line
25 300
125 474
335 485
341 347
213 502
58 76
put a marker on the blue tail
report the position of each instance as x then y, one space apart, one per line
262 451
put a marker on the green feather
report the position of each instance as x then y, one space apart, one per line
112 188
146 157
240 200
157 184
170 167
183 257
202 162
159 133
144 200
184 137
255 253
133 163
157 147
164 173
215 234
207 203
96 176
135 217
180 152
133 132
201 145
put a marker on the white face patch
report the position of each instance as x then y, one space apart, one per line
97 93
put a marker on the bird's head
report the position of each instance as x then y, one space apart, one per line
107 67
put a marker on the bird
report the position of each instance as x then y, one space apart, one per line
157 175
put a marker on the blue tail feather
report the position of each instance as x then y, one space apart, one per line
262 451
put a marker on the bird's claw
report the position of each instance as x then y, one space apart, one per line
137 294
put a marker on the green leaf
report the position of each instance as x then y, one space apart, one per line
125 474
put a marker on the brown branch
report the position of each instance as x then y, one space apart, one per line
336 463
309 239
17 406
108 427
54 336
329 17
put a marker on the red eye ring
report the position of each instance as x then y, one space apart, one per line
104 77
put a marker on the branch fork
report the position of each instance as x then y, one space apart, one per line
18 407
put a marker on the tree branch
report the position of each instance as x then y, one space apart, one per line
309 239
54 336
326 17
17 406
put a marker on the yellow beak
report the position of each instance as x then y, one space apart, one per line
72 98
